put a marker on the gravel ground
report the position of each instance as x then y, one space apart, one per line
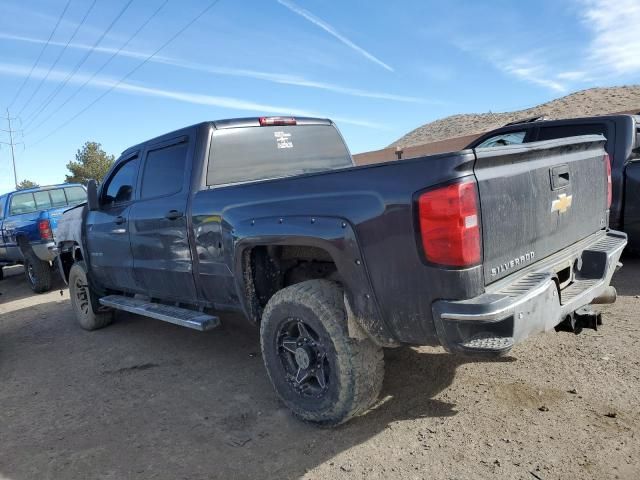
143 399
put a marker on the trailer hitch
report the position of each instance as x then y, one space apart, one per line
582 318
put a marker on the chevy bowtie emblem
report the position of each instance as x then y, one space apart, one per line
562 203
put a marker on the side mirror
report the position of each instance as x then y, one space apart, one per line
92 196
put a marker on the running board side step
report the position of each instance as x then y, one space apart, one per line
167 313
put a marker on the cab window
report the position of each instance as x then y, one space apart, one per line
120 186
22 203
43 202
563 131
164 171
508 138
75 195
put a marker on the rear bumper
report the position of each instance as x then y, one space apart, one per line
529 302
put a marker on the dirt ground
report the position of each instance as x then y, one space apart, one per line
149 400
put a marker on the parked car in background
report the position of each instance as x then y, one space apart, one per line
623 146
473 250
28 220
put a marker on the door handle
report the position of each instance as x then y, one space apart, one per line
173 215
119 220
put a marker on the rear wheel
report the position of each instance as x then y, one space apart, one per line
38 273
89 313
319 372
1 274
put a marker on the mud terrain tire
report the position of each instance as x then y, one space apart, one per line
89 313
304 324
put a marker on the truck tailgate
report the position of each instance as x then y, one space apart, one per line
538 198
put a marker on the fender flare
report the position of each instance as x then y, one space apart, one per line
334 235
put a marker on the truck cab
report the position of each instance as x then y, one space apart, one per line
28 220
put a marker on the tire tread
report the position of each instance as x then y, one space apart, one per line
362 361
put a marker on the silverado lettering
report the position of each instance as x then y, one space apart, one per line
513 263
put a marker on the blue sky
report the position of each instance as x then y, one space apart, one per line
379 69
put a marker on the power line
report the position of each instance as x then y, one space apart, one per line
11 143
104 65
55 62
79 64
15 97
131 72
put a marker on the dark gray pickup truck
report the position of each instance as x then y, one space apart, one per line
474 250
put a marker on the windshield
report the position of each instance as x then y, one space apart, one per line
259 153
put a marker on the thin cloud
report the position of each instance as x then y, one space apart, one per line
332 31
181 96
526 66
280 78
615 46
76 46
533 73
609 54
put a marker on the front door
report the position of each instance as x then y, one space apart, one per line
107 229
159 234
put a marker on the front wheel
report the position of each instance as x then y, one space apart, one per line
319 372
89 313
38 273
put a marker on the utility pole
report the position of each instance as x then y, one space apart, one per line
11 144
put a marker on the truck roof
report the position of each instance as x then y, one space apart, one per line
228 123
543 120
43 187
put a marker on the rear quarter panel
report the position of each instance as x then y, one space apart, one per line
376 204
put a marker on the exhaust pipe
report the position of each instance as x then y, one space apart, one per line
608 296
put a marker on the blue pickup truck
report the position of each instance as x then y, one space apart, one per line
28 220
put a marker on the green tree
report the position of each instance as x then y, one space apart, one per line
24 184
91 163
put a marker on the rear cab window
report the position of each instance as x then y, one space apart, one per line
563 131
503 139
43 201
58 198
75 195
246 154
3 202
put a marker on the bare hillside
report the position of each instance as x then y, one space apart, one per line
594 101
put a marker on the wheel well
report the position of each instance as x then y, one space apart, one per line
268 269
69 254
23 244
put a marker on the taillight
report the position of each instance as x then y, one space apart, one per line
272 121
449 225
607 162
45 230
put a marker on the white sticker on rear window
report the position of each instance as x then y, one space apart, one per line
283 139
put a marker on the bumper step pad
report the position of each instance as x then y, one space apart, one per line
167 313
486 342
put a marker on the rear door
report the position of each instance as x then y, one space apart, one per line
537 199
108 228
159 238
